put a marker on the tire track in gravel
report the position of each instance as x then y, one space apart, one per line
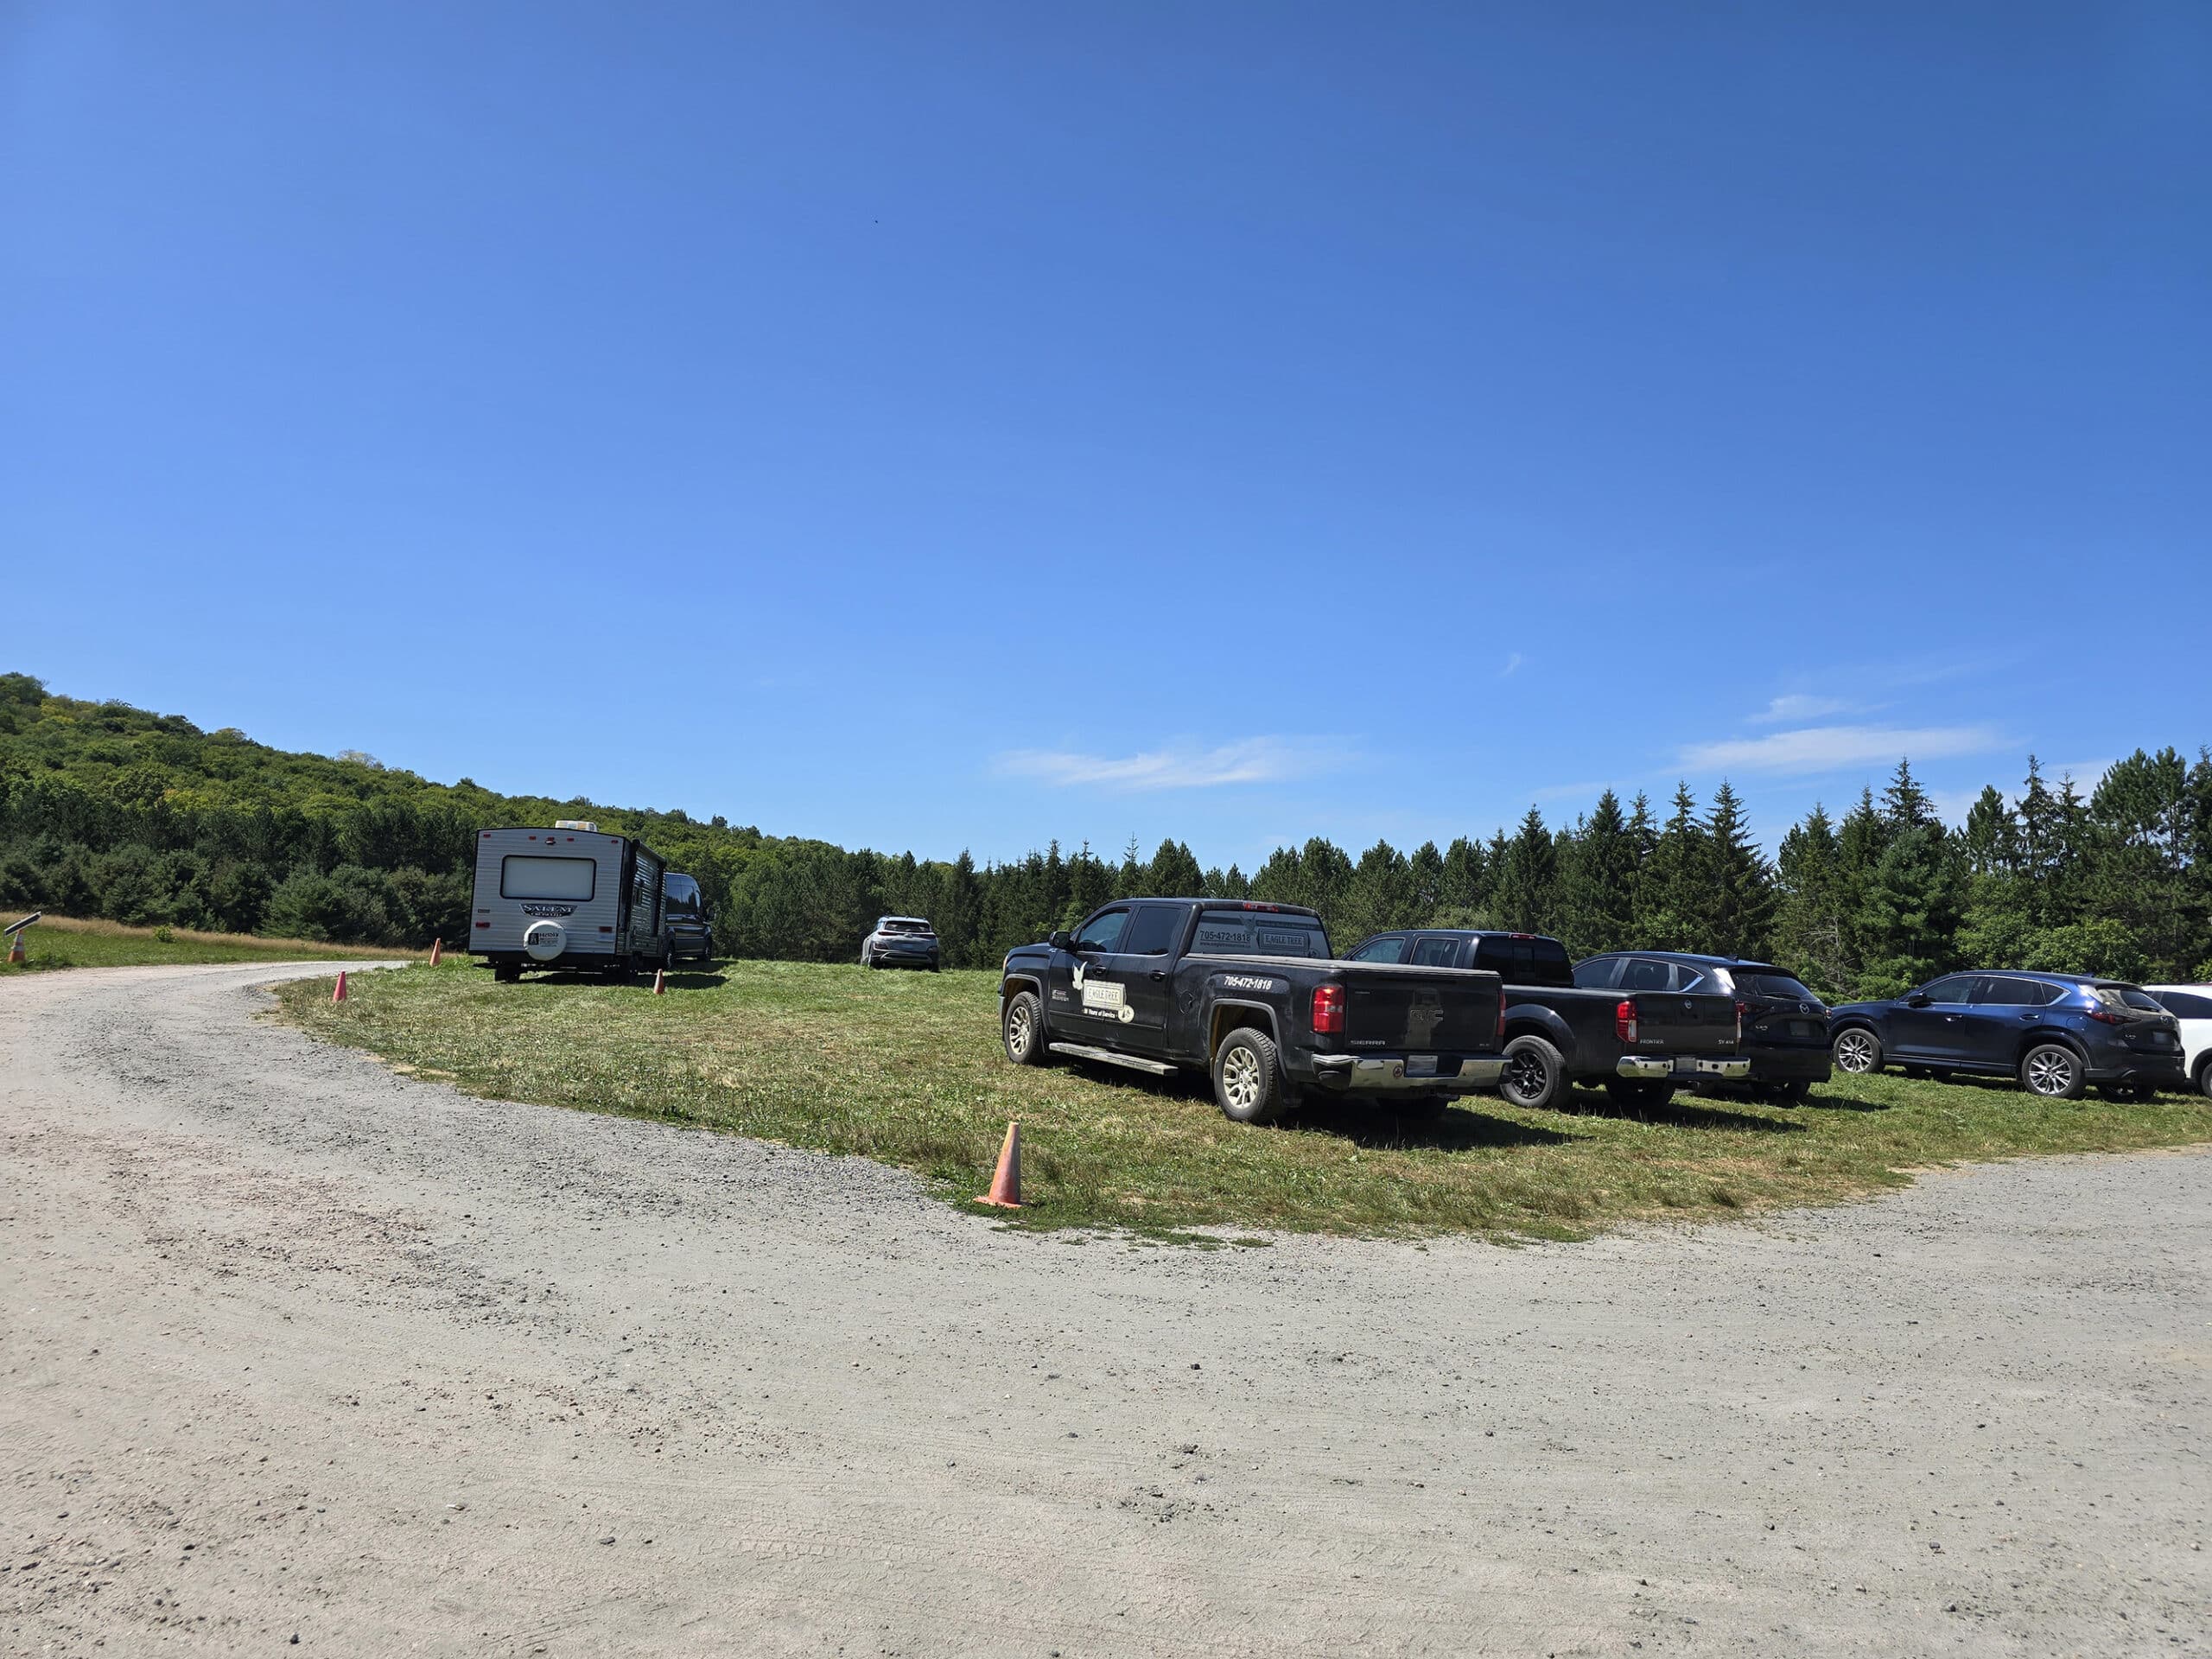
291 1344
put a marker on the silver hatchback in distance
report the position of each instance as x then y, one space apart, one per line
901 942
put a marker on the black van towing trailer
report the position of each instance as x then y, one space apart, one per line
1642 1045
1249 994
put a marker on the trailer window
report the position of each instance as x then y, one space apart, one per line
522 876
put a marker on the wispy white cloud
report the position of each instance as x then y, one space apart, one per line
1511 664
1799 705
1831 748
1182 766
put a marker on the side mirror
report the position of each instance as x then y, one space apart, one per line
1917 1000
1061 939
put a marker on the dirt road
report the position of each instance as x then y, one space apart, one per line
292 1346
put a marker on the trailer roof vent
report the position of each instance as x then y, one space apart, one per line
584 824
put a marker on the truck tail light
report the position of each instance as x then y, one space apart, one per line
1624 1020
1499 1034
1328 1010
1742 1010
483 924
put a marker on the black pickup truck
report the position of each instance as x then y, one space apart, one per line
1640 1044
1250 994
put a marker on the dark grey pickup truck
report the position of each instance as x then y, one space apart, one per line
1250 994
1640 1044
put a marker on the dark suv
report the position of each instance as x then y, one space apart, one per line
690 936
1785 1025
2056 1032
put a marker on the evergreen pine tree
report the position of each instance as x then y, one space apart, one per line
1674 895
1173 873
1598 902
1905 804
1995 926
1812 935
1377 895
1527 869
2136 872
1425 872
1910 914
1464 889
1739 883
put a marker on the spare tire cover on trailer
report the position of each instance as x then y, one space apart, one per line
545 940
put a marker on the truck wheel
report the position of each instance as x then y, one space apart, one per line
2204 1076
1022 1026
1858 1050
1641 1092
1535 1074
2052 1071
1247 1077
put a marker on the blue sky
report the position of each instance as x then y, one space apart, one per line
970 425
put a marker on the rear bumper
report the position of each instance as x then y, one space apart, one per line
2164 1070
1790 1065
1402 1074
591 959
1658 1068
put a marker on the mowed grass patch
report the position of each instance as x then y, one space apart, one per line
905 1068
69 942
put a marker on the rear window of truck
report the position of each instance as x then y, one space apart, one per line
1528 959
1256 933
523 875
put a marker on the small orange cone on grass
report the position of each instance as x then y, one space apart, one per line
339 995
1006 1184
660 981
437 949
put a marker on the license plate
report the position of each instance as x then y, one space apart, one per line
1420 1065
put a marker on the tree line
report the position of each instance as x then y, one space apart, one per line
109 810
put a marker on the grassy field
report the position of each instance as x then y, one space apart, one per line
66 941
906 1069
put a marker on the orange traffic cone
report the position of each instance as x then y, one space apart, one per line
339 995
15 947
660 981
1006 1184
437 949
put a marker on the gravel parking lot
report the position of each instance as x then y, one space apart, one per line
293 1346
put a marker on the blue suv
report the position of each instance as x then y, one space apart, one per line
2056 1032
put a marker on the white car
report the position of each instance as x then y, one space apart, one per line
2192 1006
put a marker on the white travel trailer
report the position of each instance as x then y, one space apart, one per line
568 897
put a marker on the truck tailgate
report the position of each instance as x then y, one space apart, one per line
1419 1009
1671 1022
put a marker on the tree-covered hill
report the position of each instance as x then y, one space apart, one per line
108 811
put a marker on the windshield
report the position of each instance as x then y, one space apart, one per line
682 893
1258 933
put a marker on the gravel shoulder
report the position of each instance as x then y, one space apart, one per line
292 1346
